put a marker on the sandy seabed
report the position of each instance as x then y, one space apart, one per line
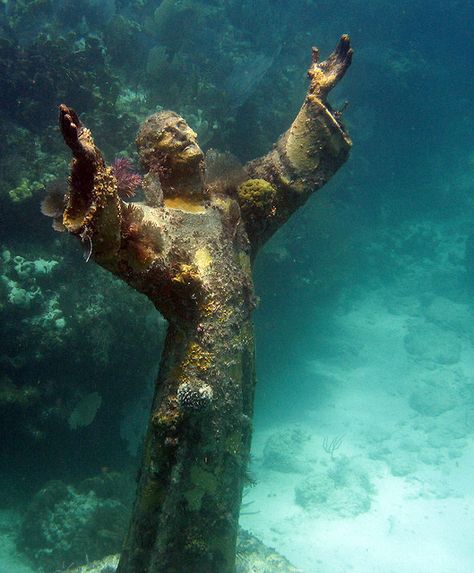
402 412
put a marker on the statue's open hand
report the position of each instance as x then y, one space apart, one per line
75 135
325 75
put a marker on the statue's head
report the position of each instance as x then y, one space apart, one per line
168 146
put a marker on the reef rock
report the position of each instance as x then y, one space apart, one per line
343 489
429 342
282 451
253 557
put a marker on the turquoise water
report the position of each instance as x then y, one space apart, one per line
363 452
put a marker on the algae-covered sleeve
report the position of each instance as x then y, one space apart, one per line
304 158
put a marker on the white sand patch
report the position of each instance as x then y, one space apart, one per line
421 517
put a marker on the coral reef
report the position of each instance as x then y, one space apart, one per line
343 489
42 406
252 556
65 524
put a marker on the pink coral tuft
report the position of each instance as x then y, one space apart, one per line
127 179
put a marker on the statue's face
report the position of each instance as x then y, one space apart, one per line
166 141
179 143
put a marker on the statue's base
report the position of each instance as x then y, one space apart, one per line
252 557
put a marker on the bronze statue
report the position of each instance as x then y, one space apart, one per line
189 247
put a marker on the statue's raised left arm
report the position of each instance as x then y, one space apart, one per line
304 158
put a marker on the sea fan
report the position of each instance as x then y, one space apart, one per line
224 172
54 202
127 179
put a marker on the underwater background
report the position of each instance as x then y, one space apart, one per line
363 450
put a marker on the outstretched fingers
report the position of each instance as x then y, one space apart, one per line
325 75
68 114
341 58
69 125
75 135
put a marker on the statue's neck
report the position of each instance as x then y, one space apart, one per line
190 185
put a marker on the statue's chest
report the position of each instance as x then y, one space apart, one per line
209 245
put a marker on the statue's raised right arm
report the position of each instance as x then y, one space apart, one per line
93 208
304 158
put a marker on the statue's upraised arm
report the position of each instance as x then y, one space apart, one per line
133 240
304 158
93 209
